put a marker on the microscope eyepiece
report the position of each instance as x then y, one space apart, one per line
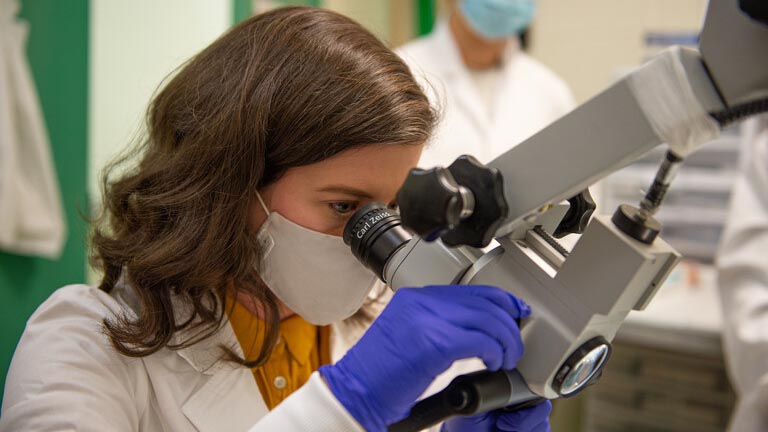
374 233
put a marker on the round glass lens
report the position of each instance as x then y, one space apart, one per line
584 370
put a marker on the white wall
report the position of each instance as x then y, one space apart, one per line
585 41
133 46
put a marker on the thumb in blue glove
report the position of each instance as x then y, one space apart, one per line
420 333
535 419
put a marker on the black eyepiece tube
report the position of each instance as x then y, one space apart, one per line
375 233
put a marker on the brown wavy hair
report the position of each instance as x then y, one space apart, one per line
283 89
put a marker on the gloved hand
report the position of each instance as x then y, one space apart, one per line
420 333
534 419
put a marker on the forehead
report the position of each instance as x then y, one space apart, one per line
378 169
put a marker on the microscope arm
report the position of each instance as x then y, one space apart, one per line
668 100
579 297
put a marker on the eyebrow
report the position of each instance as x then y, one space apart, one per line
346 190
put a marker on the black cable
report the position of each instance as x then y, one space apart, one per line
739 112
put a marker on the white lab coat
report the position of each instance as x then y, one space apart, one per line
743 282
66 376
31 220
528 97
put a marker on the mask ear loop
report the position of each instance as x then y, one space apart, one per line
267 242
261 201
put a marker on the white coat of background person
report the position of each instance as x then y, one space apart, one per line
491 93
31 217
743 283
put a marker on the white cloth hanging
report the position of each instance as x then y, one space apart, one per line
31 217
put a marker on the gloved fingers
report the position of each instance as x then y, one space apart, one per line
513 305
480 314
541 427
460 343
511 339
485 422
465 310
526 420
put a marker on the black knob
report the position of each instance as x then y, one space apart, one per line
490 206
430 202
579 213
756 9
633 223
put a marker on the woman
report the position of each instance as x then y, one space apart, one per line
224 269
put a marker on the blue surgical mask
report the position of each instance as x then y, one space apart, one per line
498 19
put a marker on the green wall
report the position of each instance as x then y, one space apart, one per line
57 49
241 10
425 16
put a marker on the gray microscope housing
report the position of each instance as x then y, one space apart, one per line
583 295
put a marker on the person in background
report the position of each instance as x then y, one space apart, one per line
492 94
229 301
743 282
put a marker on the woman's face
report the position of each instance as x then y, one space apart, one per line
323 196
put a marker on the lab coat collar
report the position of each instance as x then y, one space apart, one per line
450 63
230 392
206 355
230 395
450 66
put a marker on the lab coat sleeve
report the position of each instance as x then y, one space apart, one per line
312 408
743 284
65 375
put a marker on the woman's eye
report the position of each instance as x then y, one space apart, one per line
343 207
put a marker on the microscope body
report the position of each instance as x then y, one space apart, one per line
579 298
575 298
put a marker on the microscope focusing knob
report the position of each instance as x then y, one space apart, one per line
756 9
577 218
631 222
490 207
430 202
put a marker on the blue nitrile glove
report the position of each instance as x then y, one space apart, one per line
534 419
420 333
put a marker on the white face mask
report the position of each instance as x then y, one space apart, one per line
314 274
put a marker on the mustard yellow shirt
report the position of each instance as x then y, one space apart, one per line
301 349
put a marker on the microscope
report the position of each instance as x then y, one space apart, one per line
579 297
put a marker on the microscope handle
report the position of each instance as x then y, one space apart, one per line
466 395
